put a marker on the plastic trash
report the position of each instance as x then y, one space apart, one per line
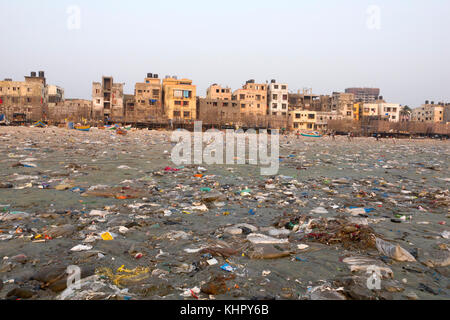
393 251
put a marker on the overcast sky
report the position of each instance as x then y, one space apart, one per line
400 46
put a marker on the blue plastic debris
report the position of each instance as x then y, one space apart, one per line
227 267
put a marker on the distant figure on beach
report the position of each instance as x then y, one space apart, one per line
349 136
333 136
298 134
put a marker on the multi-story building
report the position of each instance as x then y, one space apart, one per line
343 104
310 120
430 112
218 111
27 99
107 100
253 98
277 99
216 92
390 111
369 110
306 100
148 99
365 95
179 98
55 94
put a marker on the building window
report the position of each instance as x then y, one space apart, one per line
284 106
178 103
297 116
283 87
176 113
225 104
242 97
215 104
275 86
243 106
186 114
185 103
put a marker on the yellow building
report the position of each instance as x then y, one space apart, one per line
310 120
357 111
179 99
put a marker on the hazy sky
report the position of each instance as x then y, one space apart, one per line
327 45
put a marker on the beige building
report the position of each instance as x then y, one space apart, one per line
107 100
390 111
25 99
310 120
179 98
218 112
431 113
148 100
73 110
306 100
252 98
343 104
216 92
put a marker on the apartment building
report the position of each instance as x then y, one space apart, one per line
364 95
306 100
430 112
343 104
27 99
148 100
310 120
218 111
390 111
179 99
252 98
277 99
55 94
107 100
217 92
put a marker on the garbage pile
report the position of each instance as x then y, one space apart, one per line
341 220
